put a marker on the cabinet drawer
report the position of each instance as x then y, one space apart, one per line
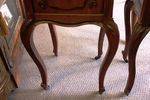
68 6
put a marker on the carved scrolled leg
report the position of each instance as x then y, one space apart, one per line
112 33
27 40
139 32
100 44
54 39
127 10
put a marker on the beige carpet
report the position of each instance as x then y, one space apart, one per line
73 75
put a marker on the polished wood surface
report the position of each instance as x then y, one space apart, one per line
70 13
140 28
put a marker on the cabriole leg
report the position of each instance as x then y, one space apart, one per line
27 40
127 10
54 38
100 43
112 33
139 32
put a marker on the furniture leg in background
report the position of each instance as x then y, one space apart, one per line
54 39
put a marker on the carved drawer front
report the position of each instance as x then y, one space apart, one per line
64 4
67 6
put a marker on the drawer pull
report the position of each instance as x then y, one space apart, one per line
42 4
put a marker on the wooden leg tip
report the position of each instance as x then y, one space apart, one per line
55 53
97 57
127 92
101 90
45 86
124 57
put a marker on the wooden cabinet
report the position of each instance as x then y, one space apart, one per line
68 13
7 83
4 77
12 47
